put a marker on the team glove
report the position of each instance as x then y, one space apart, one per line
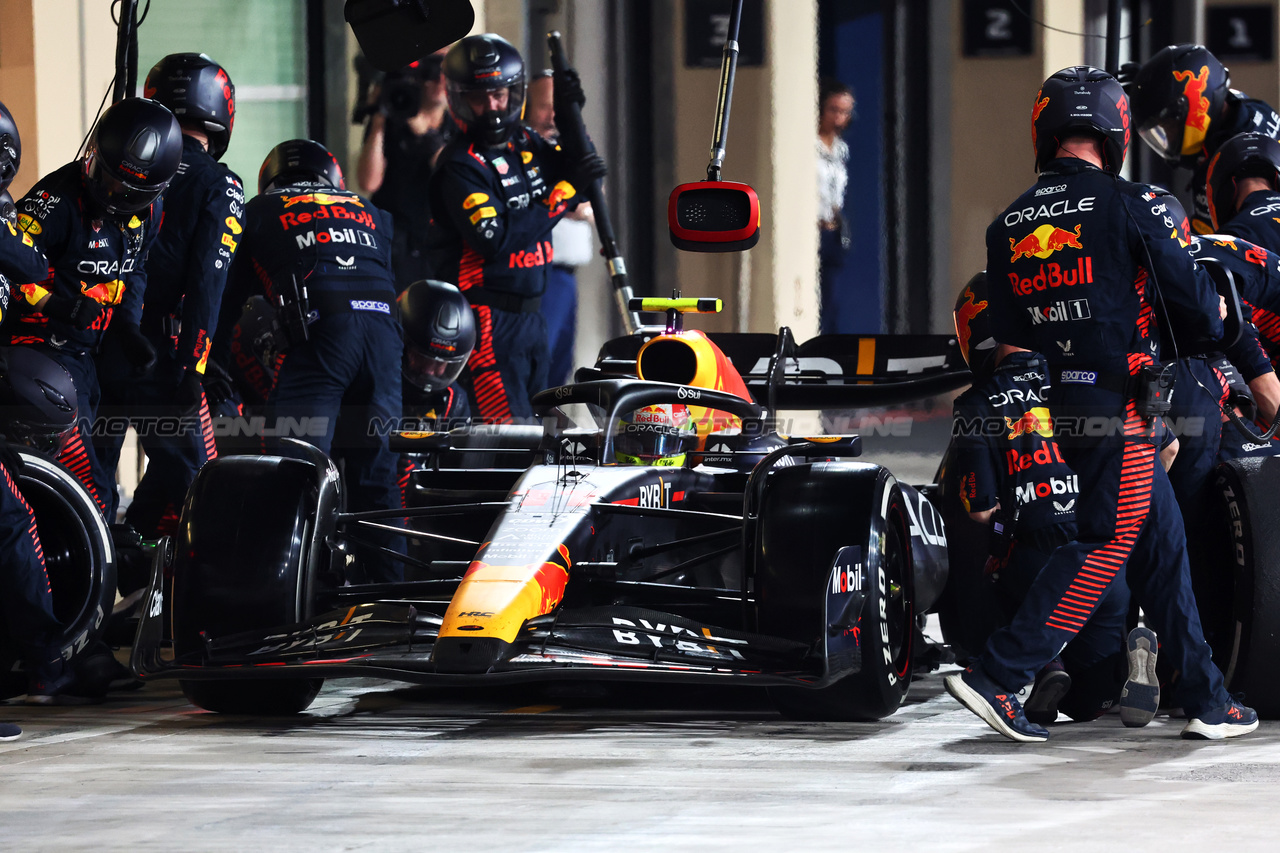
218 386
566 89
79 311
1128 71
190 393
8 213
137 349
589 169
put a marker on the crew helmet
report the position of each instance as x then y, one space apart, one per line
198 91
439 334
1245 155
299 161
485 63
1081 100
1176 96
133 152
37 400
10 147
973 327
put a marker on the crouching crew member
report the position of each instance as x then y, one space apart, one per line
95 220
1100 340
439 334
497 192
322 256
1010 474
186 274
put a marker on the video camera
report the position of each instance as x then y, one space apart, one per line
400 95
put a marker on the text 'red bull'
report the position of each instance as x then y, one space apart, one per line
1054 275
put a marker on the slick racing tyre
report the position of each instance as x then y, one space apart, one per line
78 556
1248 654
797 505
240 564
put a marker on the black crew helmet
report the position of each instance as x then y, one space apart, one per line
133 153
300 161
973 327
37 400
439 334
10 147
1176 96
485 63
1081 101
1245 155
200 94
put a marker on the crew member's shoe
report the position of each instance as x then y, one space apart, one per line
8 731
1052 683
998 707
1140 698
1231 720
60 687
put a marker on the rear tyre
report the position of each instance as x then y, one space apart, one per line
1248 654
241 557
78 556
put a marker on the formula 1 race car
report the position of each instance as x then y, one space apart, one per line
750 557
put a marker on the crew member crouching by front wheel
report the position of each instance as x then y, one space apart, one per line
1009 473
1082 223
322 257
439 335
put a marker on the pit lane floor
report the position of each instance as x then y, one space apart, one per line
379 766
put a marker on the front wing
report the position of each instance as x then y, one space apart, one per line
394 640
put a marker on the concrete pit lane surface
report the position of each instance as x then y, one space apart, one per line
377 766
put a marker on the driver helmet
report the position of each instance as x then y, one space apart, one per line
133 153
1245 155
1081 101
439 334
37 400
973 327
1176 96
660 435
485 63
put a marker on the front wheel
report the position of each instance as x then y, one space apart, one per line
884 632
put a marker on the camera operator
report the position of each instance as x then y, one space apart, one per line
405 132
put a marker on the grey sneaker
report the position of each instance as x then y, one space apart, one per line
1141 695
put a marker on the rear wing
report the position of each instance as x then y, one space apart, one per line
826 372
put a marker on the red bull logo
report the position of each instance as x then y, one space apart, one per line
322 198
1193 88
105 292
1040 104
1044 241
964 316
1034 422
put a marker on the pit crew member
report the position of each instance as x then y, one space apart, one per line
186 275
439 335
497 192
1081 295
95 219
1184 108
1016 481
322 256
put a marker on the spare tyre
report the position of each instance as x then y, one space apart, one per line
78 556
